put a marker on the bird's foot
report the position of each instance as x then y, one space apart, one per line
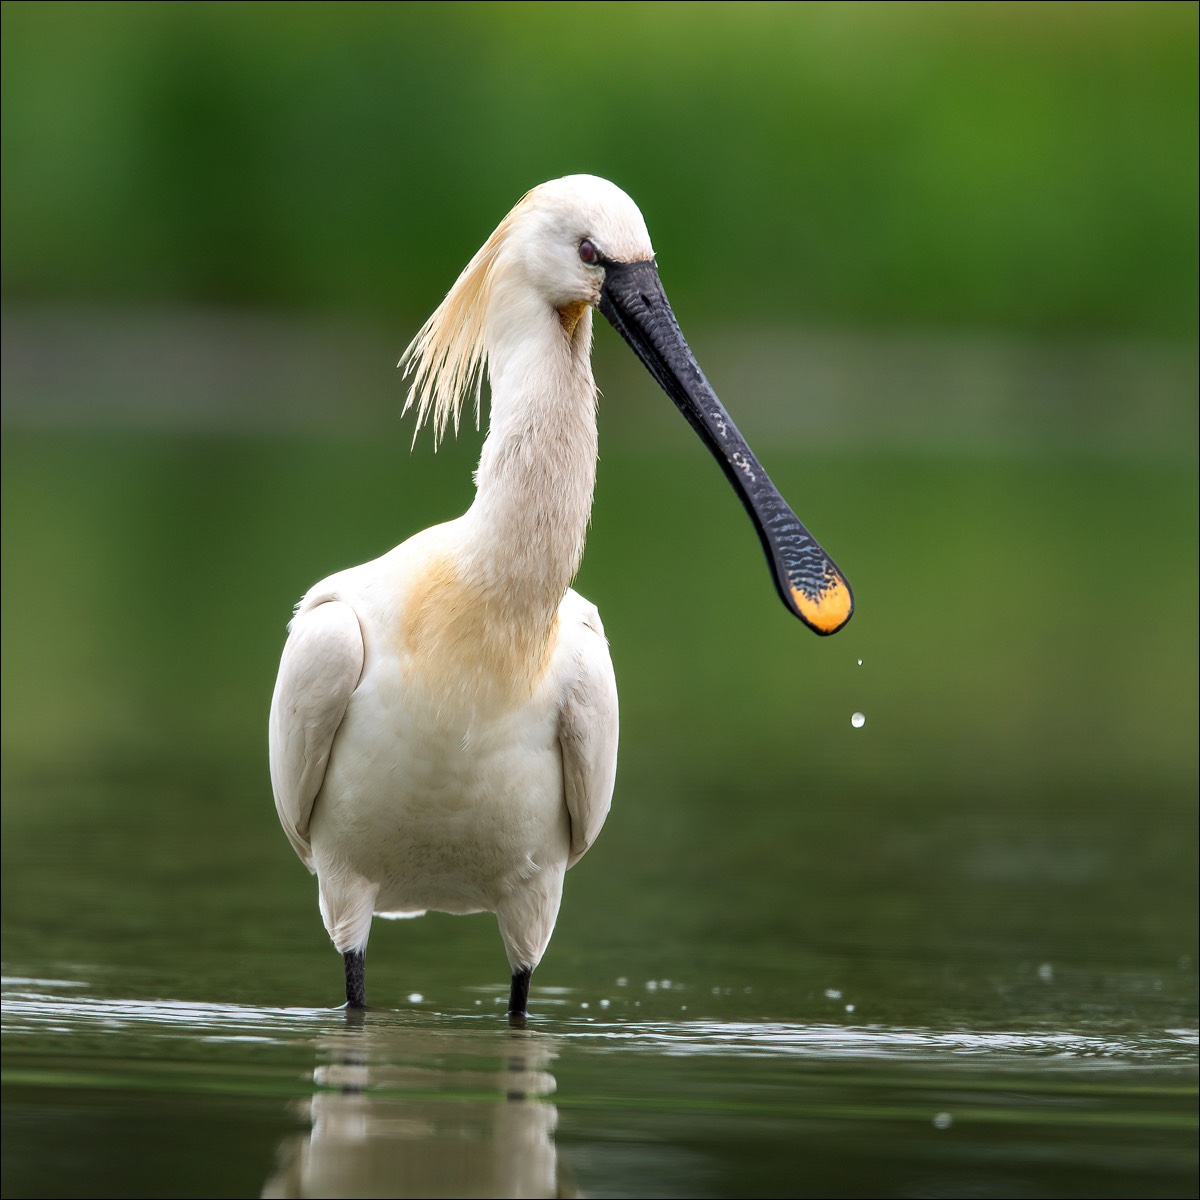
518 997
356 985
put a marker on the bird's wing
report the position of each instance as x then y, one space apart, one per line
321 666
587 732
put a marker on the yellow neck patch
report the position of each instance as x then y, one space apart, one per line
569 315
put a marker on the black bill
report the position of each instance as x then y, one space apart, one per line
807 579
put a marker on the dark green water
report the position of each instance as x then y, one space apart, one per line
950 953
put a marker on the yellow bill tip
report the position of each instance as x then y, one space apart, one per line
831 607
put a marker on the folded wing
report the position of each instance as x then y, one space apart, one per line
321 666
588 735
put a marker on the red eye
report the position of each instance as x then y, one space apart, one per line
588 252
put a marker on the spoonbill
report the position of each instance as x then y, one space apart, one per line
443 732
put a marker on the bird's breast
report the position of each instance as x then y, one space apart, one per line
446 809
469 642
445 781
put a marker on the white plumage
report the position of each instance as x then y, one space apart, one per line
443 733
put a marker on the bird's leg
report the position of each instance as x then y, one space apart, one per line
356 984
518 997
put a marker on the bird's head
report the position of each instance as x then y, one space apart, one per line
552 252
577 243
560 239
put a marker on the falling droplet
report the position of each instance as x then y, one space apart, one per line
858 720
860 662
943 1120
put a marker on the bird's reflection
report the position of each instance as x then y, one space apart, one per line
405 1110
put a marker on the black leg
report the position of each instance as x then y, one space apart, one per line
518 997
356 984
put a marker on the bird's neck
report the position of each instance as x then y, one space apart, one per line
524 534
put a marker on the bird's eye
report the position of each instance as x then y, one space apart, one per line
588 252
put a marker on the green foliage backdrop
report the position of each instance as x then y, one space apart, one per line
1021 166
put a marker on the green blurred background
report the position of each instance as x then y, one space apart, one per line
940 261
1020 167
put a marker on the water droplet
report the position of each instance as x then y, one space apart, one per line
849 1007
1046 972
622 982
860 662
832 994
858 720
415 997
943 1120
584 1004
604 1003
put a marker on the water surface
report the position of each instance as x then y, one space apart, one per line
951 952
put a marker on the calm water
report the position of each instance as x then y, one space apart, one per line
949 953
151 1098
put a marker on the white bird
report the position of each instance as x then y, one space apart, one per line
443 733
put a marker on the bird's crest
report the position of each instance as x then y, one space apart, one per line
447 357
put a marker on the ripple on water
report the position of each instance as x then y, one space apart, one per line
35 1006
764 1039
